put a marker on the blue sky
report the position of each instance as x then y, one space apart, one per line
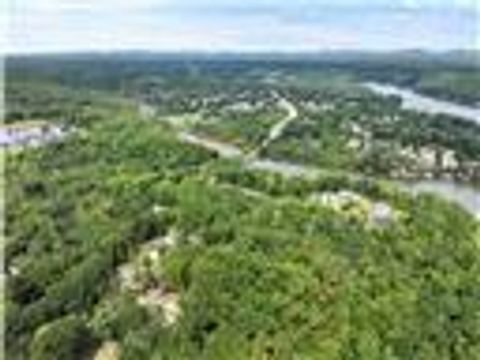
241 25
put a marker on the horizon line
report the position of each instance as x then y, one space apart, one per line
233 51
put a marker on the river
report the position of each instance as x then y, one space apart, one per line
464 195
467 196
413 101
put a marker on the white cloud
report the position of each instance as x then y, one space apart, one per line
68 25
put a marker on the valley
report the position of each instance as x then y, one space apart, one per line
182 207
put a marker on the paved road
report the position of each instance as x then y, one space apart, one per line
289 169
277 130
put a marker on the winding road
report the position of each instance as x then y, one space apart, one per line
253 161
277 130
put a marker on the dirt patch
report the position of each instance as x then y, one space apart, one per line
169 302
110 350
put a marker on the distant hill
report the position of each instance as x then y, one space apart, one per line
459 57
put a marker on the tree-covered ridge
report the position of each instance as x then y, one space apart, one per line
123 241
256 267
75 211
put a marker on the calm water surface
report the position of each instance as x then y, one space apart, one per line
413 101
464 195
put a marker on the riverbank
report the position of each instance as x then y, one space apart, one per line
465 195
413 101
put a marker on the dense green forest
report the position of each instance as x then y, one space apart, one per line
125 242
